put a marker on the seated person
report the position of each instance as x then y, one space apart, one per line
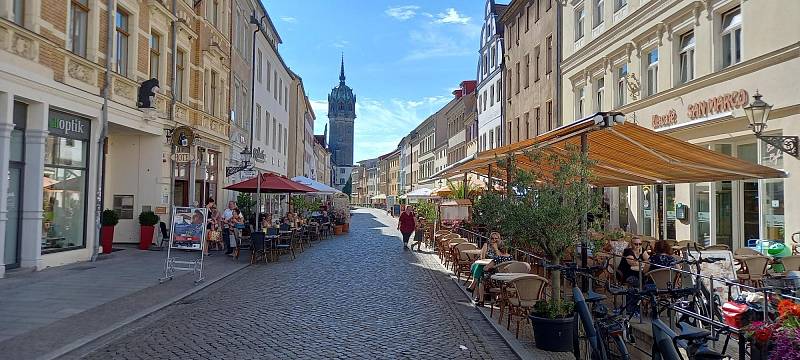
501 255
662 257
487 251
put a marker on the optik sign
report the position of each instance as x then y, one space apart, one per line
68 125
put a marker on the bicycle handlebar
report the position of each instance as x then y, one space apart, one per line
708 260
675 293
573 267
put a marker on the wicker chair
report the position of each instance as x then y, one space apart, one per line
756 270
462 262
443 248
790 263
514 267
451 255
522 294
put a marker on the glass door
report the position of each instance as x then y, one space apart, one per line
12 243
647 201
702 214
666 211
723 212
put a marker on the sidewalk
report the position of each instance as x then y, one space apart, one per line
48 313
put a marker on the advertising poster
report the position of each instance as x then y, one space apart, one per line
188 228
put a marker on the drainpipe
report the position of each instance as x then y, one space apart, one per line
557 106
101 141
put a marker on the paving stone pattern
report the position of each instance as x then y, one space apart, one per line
355 296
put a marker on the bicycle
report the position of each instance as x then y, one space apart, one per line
594 340
666 341
703 301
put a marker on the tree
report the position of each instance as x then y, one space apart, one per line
246 205
551 200
348 188
461 190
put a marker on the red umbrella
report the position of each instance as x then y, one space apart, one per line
270 183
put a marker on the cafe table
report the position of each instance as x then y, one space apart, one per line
483 262
473 254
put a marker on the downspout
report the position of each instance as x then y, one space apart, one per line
101 141
173 102
557 106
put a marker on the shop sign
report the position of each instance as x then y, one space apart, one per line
183 157
68 125
727 102
669 119
259 155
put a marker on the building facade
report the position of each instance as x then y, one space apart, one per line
56 75
530 67
301 128
687 68
270 135
489 102
459 117
341 115
322 170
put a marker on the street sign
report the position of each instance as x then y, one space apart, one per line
183 157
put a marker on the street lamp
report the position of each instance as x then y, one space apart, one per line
758 114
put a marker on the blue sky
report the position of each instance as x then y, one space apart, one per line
402 59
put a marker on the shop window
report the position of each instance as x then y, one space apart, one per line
64 183
622 200
79 15
123 206
773 207
731 37
702 213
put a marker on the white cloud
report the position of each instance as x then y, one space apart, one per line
451 16
381 124
289 19
402 13
433 42
341 44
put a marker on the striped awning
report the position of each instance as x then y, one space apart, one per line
625 154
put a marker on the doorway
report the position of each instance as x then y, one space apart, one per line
14 204
665 217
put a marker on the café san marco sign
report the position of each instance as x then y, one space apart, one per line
703 109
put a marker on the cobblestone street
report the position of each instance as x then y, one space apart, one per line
354 296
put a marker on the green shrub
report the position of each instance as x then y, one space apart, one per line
109 218
148 218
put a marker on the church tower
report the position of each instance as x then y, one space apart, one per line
341 116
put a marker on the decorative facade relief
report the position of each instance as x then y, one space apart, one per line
81 72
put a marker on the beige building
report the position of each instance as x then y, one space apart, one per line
388 176
57 61
687 69
461 120
301 128
531 73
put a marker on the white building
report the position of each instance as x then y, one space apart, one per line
270 133
490 73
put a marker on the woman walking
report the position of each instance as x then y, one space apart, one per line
407 224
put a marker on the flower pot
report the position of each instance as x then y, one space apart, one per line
107 238
760 352
146 236
337 230
553 334
346 227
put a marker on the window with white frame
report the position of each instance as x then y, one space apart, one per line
258 122
580 15
622 74
527 70
274 130
266 128
580 97
155 54
79 18
598 94
548 65
19 12
491 97
731 37
598 13
259 65
275 84
286 98
122 35
269 71
212 101
686 57
280 138
537 53
619 4
498 90
652 72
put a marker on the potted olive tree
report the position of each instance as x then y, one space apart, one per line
546 214
147 222
109 219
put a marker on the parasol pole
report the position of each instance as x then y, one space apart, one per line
258 201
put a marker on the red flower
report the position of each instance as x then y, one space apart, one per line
763 335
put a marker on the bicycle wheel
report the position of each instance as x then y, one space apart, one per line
580 344
615 346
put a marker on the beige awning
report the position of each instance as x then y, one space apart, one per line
625 154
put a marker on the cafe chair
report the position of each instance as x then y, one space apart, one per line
258 248
756 270
462 262
164 235
791 263
284 244
522 294
514 267
452 256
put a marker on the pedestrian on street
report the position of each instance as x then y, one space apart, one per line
407 224
227 229
419 233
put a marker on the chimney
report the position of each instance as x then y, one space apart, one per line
458 93
468 87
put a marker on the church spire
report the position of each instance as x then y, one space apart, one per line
341 71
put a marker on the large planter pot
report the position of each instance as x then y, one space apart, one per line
346 227
146 236
553 334
337 229
760 352
107 238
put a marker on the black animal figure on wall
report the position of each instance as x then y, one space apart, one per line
147 92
